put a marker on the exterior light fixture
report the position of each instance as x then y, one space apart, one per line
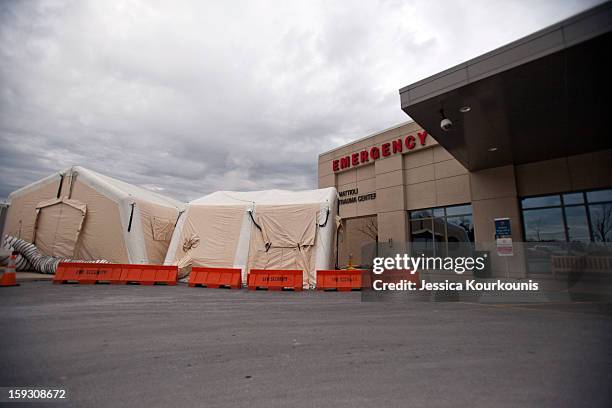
492 149
465 109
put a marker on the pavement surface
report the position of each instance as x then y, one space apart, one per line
132 346
32 276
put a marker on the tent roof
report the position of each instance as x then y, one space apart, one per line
267 197
108 184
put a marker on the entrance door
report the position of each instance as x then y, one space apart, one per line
357 240
58 225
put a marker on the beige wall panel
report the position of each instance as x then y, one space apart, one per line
429 143
390 199
419 174
393 178
417 159
218 228
368 207
346 177
342 152
386 136
366 172
22 212
449 168
453 190
543 177
327 181
493 183
101 234
150 216
388 164
366 186
441 154
392 226
344 187
348 210
364 144
326 157
421 195
592 170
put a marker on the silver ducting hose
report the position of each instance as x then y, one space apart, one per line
30 258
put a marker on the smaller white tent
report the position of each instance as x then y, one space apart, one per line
273 229
78 213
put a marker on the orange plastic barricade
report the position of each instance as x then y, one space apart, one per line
215 277
150 274
340 280
90 273
272 279
87 273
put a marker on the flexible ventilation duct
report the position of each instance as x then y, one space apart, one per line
30 259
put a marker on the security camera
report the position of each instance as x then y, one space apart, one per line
446 124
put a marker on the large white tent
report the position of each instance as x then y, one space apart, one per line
78 213
273 229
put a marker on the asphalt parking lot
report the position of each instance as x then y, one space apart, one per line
163 346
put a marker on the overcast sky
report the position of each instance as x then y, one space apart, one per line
190 97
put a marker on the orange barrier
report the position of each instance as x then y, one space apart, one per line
90 273
215 277
275 279
8 277
340 280
149 274
87 273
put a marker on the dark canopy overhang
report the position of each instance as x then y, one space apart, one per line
541 97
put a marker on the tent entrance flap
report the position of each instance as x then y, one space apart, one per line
58 225
286 239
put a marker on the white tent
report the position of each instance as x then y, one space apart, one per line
78 213
273 229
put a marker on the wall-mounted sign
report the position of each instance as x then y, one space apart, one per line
352 196
374 153
503 237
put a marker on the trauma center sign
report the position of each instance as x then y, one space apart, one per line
378 152
352 196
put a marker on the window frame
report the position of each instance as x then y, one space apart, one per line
585 203
445 217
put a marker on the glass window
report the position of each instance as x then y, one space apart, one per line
438 212
599 196
442 232
574 221
421 235
556 227
460 232
601 222
460 229
440 235
425 213
573 198
546 201
545 225
459 210
577 224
